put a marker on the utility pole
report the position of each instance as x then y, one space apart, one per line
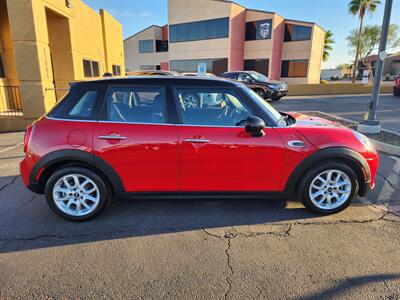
372 124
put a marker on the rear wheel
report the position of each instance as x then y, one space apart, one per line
76 194
328 188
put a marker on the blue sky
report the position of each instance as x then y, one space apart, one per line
136 15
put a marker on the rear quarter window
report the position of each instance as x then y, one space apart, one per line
81 103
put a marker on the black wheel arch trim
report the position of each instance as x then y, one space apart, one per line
330 153
77 156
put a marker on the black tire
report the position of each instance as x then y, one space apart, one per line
104 192
396 92
304 186
261 93
276 98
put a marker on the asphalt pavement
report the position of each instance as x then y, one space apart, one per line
210 249
352 107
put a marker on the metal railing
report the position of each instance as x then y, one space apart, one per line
10 101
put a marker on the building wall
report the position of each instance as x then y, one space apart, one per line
134 59
235 48
49 41
183 11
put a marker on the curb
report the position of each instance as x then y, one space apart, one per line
380 146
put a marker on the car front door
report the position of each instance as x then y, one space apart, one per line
217 154
136 139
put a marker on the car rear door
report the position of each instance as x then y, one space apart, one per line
137 140
217 153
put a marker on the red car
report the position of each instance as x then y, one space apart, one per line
396 87
134 137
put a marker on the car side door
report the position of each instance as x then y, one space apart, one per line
217 154
137 139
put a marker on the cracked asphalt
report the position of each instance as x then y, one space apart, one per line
210 249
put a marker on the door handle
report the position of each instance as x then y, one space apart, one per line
112 137
198 141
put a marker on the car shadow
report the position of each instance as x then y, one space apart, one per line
341 288
26 221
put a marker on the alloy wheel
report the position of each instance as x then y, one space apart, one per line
76 195
330 189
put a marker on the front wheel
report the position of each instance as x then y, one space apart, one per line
328 188
261 93
76 194
276 98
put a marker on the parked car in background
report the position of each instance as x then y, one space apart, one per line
396 87
134 137
261 84
153 73
198 74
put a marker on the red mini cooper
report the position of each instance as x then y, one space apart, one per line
137 137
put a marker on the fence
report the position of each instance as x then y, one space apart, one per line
10 101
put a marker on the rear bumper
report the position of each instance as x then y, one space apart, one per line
25 172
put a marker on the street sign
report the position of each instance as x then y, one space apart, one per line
202 68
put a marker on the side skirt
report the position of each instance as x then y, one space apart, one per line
204 195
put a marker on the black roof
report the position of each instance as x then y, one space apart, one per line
177 80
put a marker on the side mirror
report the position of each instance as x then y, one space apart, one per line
255 126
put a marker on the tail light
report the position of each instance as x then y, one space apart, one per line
27 136
397 81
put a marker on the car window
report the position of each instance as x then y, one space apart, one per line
85 105
244 77
211 107
136 104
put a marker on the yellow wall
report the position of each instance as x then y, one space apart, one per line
46 31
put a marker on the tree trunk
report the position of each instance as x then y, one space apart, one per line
358 49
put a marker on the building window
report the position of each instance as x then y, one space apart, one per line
146 46
147 67
2 73
258 30
294 68
161 46
215 66
297 33
91 68
116 70
201 30
258 65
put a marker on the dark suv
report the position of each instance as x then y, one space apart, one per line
261 84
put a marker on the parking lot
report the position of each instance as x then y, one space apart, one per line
208 249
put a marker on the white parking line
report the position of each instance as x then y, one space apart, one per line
10 148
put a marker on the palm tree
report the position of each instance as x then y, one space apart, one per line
360 7
327 45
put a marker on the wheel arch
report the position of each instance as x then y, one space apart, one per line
63 158
350 157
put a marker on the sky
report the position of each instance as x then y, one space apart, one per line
136 15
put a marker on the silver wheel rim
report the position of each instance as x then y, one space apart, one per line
190 101
76 195
330 189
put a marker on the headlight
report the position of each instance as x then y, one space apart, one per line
364 140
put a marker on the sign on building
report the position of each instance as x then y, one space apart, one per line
202 68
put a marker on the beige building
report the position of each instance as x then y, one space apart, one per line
229 37
44 45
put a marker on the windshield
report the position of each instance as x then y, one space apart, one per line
257 76
272 112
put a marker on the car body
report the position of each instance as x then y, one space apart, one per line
261 84
134 137
153 73
396 86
